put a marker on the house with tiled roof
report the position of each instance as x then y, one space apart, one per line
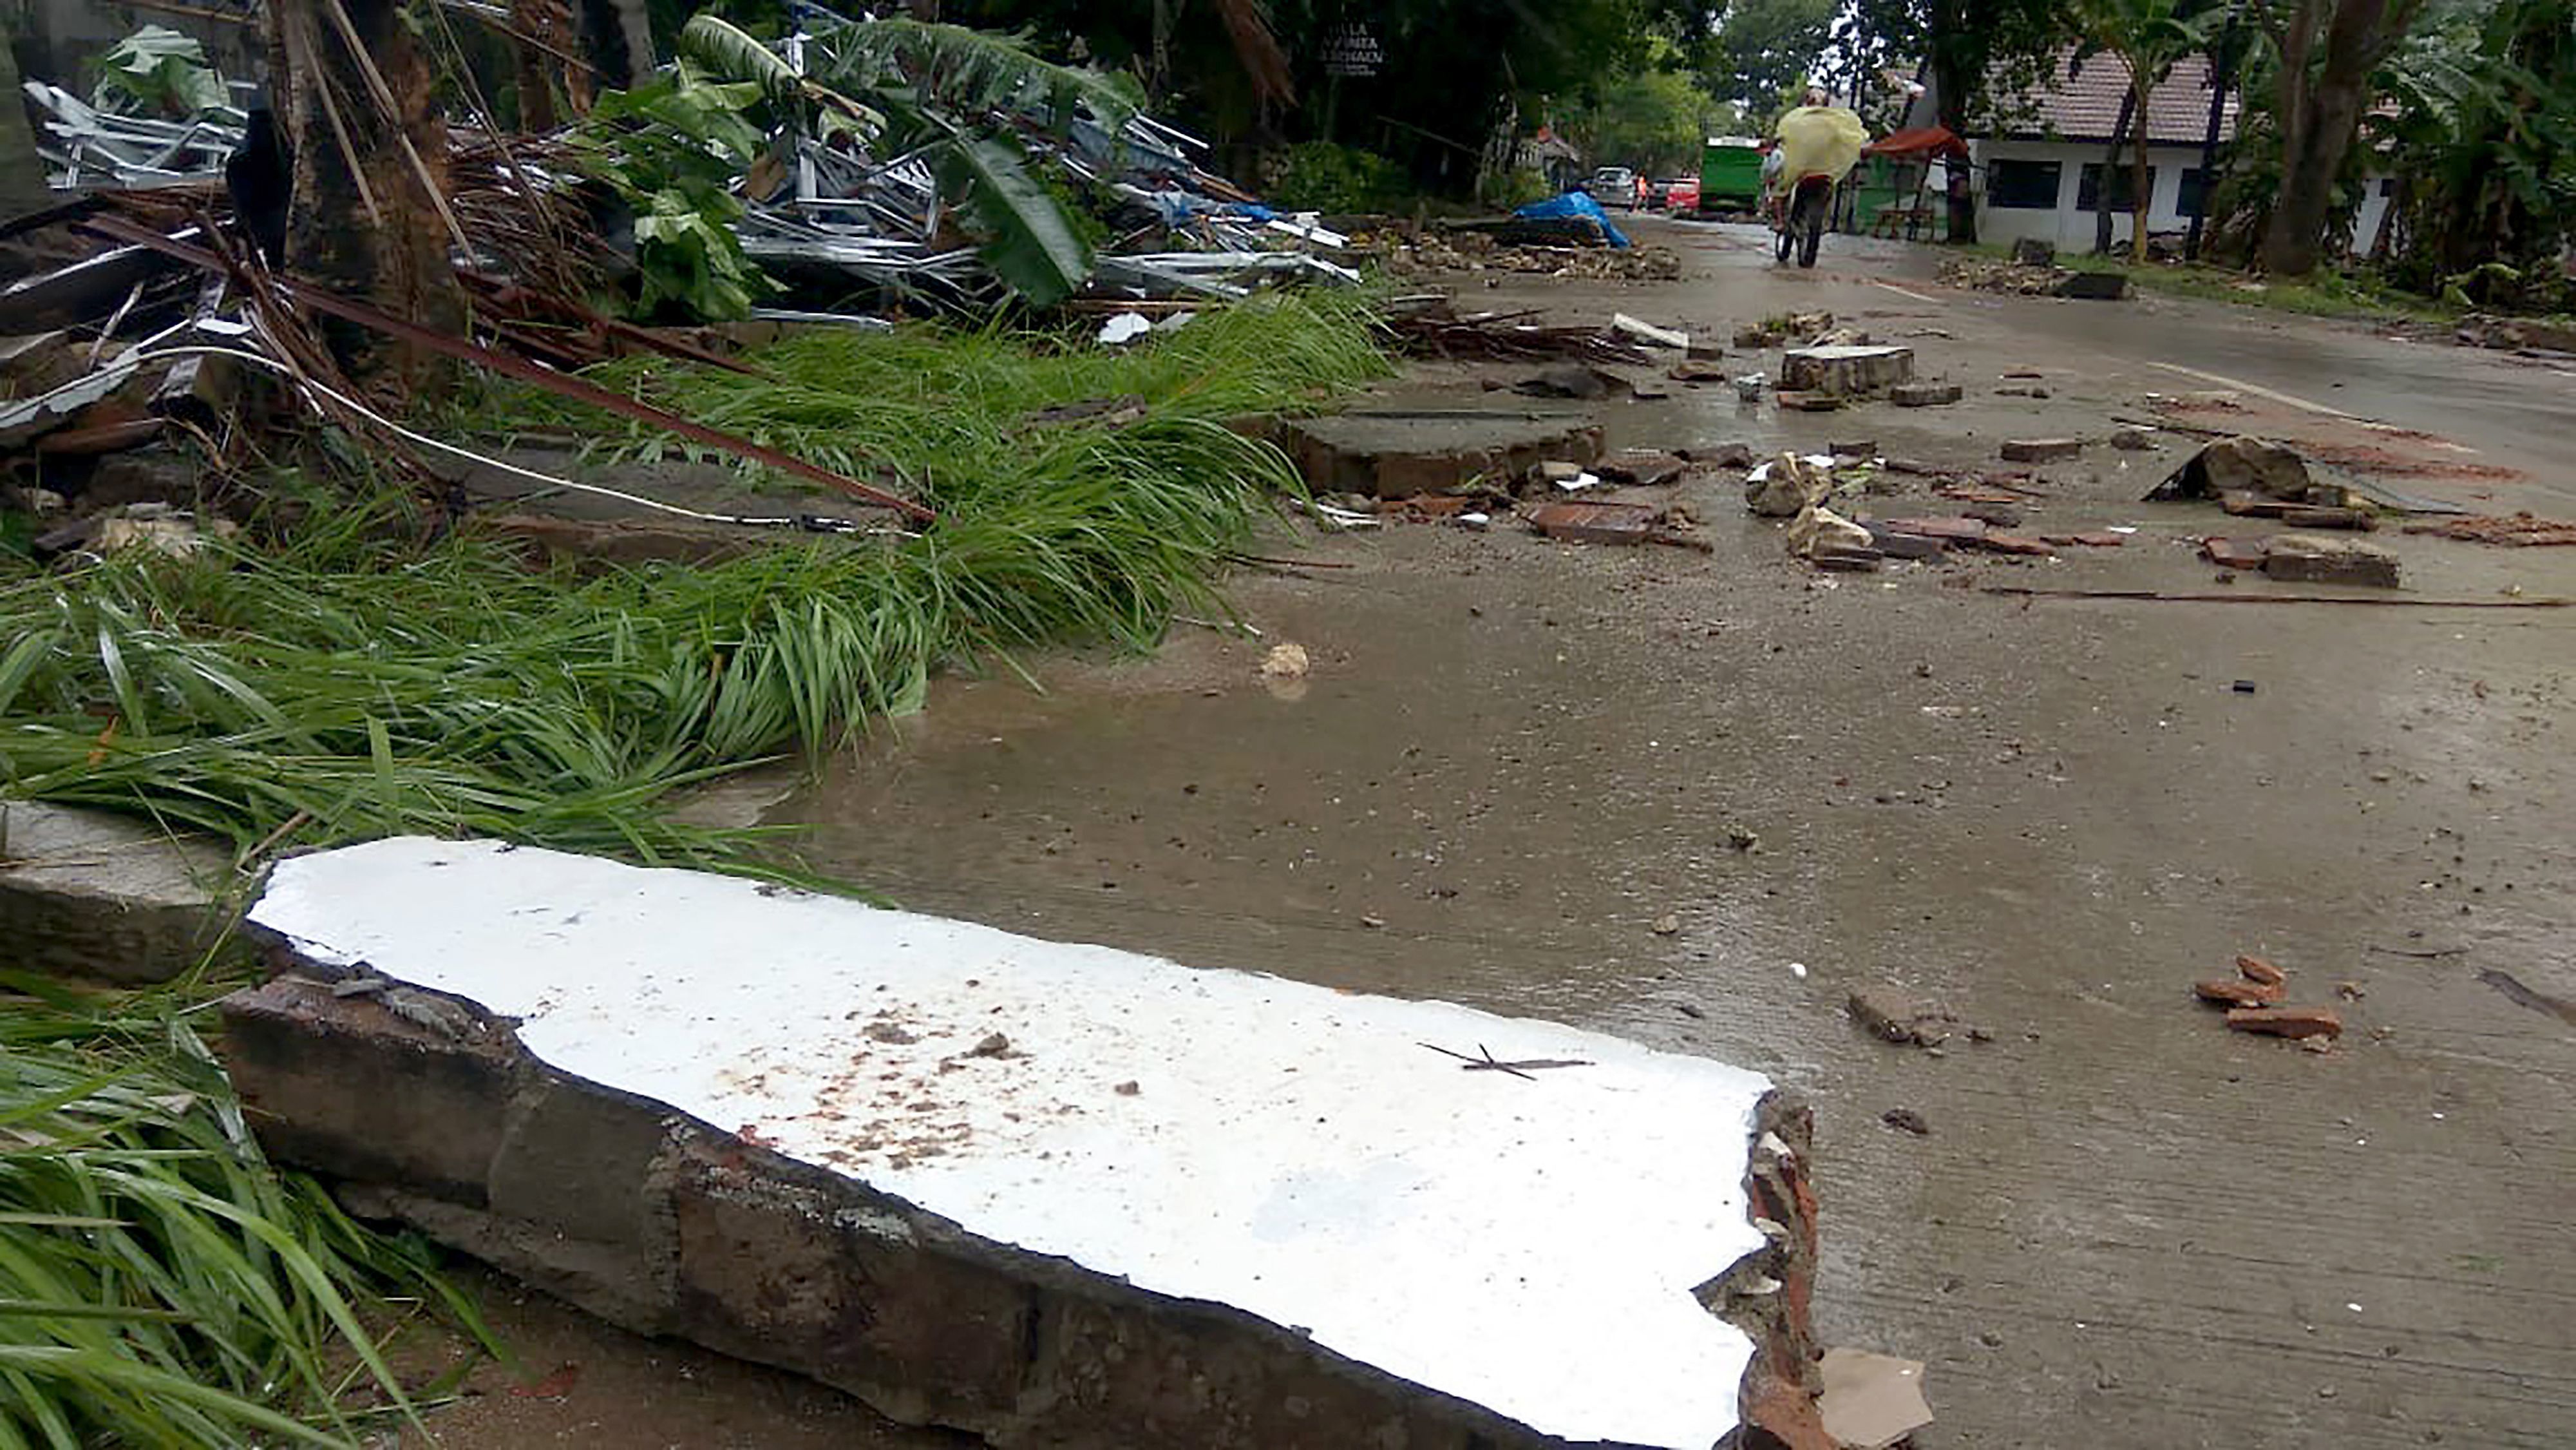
2039 170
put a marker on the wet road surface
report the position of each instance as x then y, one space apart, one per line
2127 1227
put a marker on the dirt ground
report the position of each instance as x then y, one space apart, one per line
2126 1226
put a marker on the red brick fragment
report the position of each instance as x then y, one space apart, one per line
2287 1021
2246 554
2232 992
2255 969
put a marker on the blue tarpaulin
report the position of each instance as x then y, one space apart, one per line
1573 204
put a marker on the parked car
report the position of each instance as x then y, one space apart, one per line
1613 186
1679 196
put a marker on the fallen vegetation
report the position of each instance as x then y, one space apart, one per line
160 1283
352 682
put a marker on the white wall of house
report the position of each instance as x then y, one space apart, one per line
2061 222
2071 228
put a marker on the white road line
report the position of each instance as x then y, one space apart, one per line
1901 292
2319 408
2256 389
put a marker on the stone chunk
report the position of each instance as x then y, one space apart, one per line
2041 450
1892 1016
1925 395
2315 559
88 894
1850 371
1645 467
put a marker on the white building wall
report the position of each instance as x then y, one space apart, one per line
2063 225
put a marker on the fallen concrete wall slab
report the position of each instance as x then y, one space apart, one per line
1053 1194
89 894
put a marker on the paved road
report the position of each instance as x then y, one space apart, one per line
2127 1227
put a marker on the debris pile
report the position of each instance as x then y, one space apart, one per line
2520 531
1980 274
2253 997
1408 252
1433 327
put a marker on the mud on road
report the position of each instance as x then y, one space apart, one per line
2121 1225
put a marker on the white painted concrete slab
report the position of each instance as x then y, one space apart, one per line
1294 1151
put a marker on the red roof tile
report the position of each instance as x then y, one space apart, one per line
2085 105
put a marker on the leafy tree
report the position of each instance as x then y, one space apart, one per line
2481 104
1454 69
1653 118
956 98
2325 52
2148 38
1973 50
1765 47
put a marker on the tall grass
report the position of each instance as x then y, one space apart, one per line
343 686
160 1284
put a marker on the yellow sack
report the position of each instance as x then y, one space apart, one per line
1820 140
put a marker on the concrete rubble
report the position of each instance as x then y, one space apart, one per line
84 893
1049 1194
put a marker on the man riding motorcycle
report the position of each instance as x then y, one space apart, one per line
1814 146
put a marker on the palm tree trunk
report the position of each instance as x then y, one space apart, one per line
2110 174
2141 190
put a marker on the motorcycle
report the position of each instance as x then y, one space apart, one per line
1798 216
1815 147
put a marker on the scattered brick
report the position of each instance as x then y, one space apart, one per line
2287 1021
2237 992
2255 969
1925 395
2042 450
2246 554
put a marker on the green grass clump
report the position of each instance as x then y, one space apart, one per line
160 1284
344 686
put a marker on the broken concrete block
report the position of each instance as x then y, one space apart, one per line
1819 529
1399 455
2317 516
1925 395
1067 1243
1648 333
1846 371
1894 1016
2041 450
2237 465
2316 559
1697 371
1643 467
1785 485
2094 287
1896 545
1798 402
88 894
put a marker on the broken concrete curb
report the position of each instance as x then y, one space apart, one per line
1036 1330
88 894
